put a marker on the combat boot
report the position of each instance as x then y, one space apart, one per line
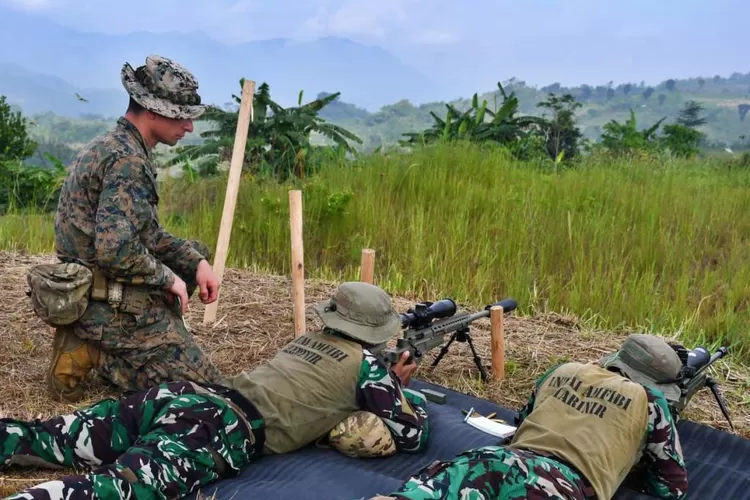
72 358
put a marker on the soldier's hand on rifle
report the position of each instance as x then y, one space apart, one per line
404 371
206 279
178 289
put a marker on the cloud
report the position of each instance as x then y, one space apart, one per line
31 5
436 37
359 18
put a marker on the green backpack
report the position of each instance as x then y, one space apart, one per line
59 292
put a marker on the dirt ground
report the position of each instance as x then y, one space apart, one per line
255 318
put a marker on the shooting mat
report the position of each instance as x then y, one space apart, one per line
717 461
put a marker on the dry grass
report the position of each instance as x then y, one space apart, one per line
255 318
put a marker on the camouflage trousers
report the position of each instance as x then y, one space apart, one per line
142 349
495 473
164 442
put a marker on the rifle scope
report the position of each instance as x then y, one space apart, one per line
699 358
424 312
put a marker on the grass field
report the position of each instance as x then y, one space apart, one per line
656 245
255 318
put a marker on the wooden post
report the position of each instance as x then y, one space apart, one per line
233 185
367 266
497 334
298 268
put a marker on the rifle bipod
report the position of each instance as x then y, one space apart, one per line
714 386
463 335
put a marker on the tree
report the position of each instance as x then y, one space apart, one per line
562 134
627 88
278 138
682 140
662 98
671 85
504 127
647 93
689 115
15 142
625 138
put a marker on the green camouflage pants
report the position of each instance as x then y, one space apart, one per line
165 442
495 473
140 350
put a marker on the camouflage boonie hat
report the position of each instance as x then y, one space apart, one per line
361 311
164 87
649 361
362 434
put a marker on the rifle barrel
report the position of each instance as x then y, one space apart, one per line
508 305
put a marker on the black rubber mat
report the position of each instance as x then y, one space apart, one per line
718 462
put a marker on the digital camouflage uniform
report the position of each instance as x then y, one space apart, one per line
509 473
107 219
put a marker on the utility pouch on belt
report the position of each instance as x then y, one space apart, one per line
99 286
123 298
59 292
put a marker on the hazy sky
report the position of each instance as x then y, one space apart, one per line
540 41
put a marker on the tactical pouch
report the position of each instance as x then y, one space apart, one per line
59 292
134 300
99 286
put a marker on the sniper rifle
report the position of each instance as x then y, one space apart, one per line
423 332
693 377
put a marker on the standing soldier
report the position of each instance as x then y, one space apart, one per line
132 331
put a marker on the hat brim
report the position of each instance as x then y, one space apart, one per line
671 391
368 334
163 107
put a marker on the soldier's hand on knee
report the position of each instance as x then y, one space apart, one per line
207 281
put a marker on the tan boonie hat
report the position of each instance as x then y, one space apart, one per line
650 361
362 434
164 87
361 311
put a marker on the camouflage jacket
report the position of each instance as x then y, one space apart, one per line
108 213
379 391
662 463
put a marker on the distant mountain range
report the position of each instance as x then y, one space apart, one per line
33 47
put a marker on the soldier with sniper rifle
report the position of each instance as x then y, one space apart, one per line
566 447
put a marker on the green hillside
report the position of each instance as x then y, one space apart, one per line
721 97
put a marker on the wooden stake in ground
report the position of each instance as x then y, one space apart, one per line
298 268
233 185
497 334
367 266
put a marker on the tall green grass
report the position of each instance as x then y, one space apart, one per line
642 244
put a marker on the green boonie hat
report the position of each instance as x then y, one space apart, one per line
649 361
361 311
164 87
362 434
